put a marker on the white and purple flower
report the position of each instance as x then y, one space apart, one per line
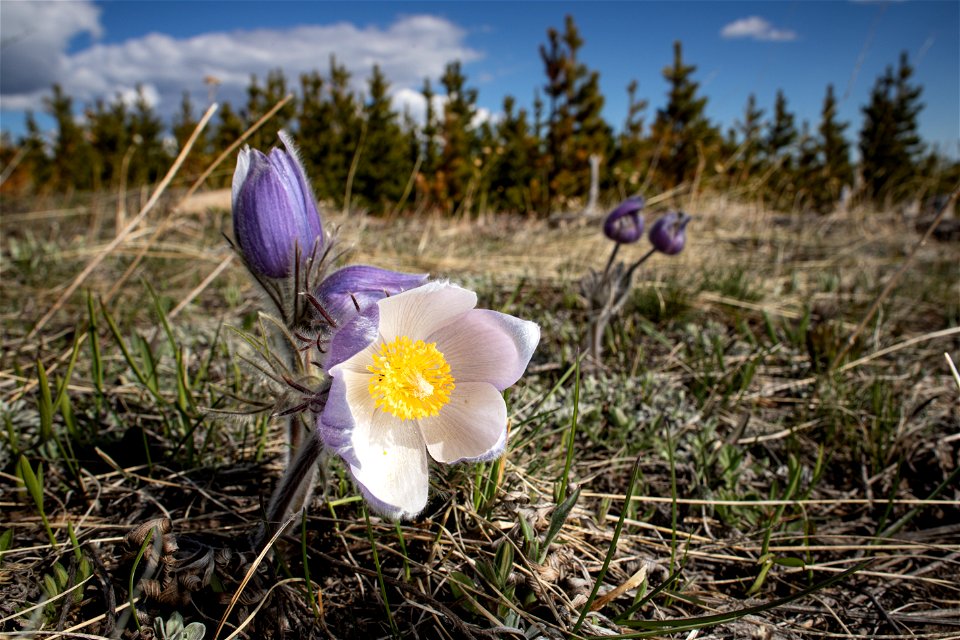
415 376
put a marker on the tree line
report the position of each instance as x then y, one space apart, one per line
360 152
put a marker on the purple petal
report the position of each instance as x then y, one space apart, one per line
366 284
625 223
668 234
294 177
356 335
264 221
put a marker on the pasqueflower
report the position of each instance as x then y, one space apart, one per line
669 233
625 223
415 376
274 211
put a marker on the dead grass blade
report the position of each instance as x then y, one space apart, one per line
120 237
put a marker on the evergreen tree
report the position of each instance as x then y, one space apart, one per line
457 170
26 167
576 128
836 171
681 126
749 150
427 176
72 168
184 124
260 100
383 167
229 129
808 169
313 122
110 137
889 143
779 145
781 133
145 130
343 137
515 165
630 155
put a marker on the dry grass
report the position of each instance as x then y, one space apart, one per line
762 472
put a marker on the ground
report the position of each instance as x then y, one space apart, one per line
730 466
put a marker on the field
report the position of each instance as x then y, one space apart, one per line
736 466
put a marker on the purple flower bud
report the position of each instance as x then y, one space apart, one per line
274 210
669 233
625 224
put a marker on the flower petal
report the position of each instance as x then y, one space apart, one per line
364 284
472 426
487 346
391 465
289 168
386 456
264 223
240 173
359 333
336 424
419 312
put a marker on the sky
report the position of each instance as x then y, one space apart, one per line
106 49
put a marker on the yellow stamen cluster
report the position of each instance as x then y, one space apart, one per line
411 379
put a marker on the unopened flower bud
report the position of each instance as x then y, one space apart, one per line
274 211
669 233
625 224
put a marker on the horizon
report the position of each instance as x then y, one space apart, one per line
739 48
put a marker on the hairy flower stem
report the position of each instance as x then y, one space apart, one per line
613 254
293 490
617 286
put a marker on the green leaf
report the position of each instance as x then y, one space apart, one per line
790 562
44 403
96 362
658 627
504 562
174 626
30 480
50 586
459 584
61 575
6 539
559 516
194 631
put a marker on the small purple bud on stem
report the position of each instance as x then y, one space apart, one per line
669 233
625 223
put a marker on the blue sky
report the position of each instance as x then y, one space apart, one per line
106 48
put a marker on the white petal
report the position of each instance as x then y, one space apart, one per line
358 362
240 174
487 346
359 399
391 464
419 312
472 425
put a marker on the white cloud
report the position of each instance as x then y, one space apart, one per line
34 37
757 28
413 102
411 48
